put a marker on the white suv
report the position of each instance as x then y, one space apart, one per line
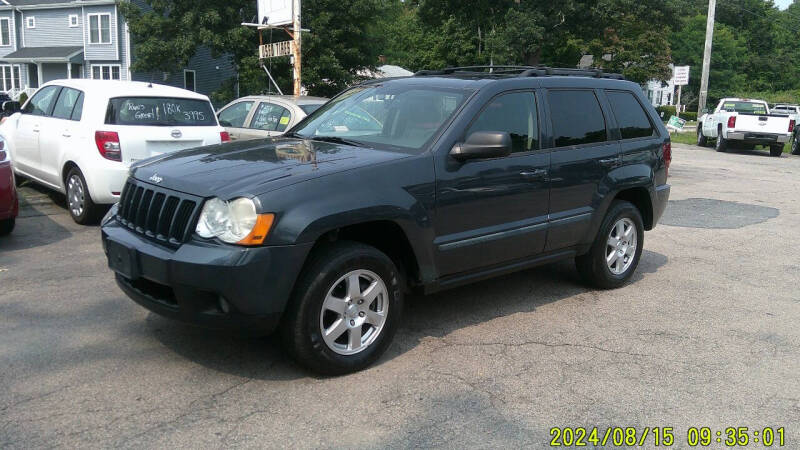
80 136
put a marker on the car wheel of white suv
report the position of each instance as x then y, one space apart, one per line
79 202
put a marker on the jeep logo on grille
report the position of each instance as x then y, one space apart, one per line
176 134
156 179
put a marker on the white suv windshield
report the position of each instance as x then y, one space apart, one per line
384 115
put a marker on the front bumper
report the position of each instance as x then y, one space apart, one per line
758 138
208 284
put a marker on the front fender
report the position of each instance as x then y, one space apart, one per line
401 192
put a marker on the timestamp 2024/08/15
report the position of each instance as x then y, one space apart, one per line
665 436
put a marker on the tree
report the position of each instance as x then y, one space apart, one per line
343 41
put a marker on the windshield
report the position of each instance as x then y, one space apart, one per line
160 111
745 107
384 115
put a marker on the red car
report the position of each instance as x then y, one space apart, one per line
9 204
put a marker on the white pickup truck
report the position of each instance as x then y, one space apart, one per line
745 123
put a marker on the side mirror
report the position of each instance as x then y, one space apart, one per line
11 107
483 145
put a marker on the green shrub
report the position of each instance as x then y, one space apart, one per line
23 97
665 112
689 115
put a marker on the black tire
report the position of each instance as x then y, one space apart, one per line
301 327
721 144
702 141
593 267
795 146
776 150
90 212
7 226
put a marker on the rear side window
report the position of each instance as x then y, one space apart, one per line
577 118
160 111
631 117
271 117
514 113
42 103
235 115
77 113
66 103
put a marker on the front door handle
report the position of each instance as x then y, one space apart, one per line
609 161
532 175
66 134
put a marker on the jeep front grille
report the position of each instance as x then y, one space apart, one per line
166 216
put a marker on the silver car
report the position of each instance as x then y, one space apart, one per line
261 116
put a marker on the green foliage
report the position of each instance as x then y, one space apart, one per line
754 47
23 97
665 112
689 115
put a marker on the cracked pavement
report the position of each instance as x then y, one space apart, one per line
706 335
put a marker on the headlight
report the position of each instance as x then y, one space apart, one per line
234 222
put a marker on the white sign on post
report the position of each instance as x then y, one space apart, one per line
681 75
283 48
275 12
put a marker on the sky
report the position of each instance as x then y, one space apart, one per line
783 4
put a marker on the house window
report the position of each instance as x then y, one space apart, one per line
30 22
73 20
99 28
105 71
188 80
9 77
5 32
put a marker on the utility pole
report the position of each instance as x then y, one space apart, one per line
712 7
297 33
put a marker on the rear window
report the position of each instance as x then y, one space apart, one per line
160 111
744 107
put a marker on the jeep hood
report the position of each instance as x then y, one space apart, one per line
253 167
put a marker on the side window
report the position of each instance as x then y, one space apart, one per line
235 115
631 118
577 118
77 112
271 117
514 113
42 102
66 103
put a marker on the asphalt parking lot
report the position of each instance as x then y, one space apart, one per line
706 335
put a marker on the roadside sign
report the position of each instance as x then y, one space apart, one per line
275 12
681 75
676 123
283 48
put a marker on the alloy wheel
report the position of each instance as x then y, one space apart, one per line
75 195
621 246
354 312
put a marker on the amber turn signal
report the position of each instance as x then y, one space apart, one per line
260 230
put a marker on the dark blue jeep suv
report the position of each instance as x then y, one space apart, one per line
400 185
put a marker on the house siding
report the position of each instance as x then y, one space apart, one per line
210 73
52 28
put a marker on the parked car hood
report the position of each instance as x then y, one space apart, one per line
253 167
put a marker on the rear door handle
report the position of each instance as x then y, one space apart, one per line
534 174
66 134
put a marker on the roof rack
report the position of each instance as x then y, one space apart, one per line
520 71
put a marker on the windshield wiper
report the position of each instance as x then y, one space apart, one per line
336 140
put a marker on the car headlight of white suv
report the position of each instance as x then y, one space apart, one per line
233 222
